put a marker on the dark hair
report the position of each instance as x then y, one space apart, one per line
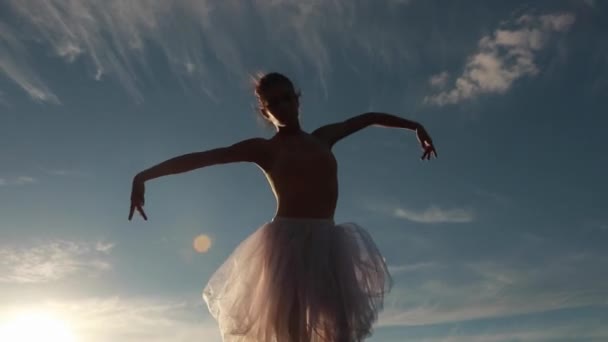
264 81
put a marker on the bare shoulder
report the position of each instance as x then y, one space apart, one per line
328 134
256 150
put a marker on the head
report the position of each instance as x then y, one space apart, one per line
278 100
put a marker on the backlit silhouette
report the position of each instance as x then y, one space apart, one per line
300 277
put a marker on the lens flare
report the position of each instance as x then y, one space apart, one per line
202 243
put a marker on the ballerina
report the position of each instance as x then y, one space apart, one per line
299 277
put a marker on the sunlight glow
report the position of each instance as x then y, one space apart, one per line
33 326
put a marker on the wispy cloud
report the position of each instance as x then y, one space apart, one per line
114 38
109 36
503 57
400 2
439 80
21 180
14 63
407 268
104 247
132 319
52 261
574 330
67 173
492 195
485 289
435 214
60 172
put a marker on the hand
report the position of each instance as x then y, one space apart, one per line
426 142
137 198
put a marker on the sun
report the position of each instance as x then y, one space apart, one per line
34 326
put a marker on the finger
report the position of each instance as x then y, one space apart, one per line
424 155
435 152
131 211
141 211
429 152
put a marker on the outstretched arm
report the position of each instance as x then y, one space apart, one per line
334 132
251 150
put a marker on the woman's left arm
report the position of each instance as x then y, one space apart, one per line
333 133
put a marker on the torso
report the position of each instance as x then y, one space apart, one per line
302 172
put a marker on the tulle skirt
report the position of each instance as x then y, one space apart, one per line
300 280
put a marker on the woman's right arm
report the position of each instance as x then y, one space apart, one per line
253 150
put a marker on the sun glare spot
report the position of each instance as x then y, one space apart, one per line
34 327
202 243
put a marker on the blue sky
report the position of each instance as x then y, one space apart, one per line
501 239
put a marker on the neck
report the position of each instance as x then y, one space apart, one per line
289 130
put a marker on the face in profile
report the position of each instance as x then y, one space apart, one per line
281 104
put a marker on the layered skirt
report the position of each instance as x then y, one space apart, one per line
300 280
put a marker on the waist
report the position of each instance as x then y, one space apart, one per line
290 219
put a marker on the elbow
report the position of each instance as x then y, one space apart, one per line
220 155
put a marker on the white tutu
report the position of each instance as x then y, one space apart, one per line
296 280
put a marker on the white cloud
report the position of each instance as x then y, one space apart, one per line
557 22
574 330
104 247
503 57
435 214
111 36
52 261
24 180
185 320
130 319
21 180
491 289
63 172
14 64
114 37
439 80
590 3
407 268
